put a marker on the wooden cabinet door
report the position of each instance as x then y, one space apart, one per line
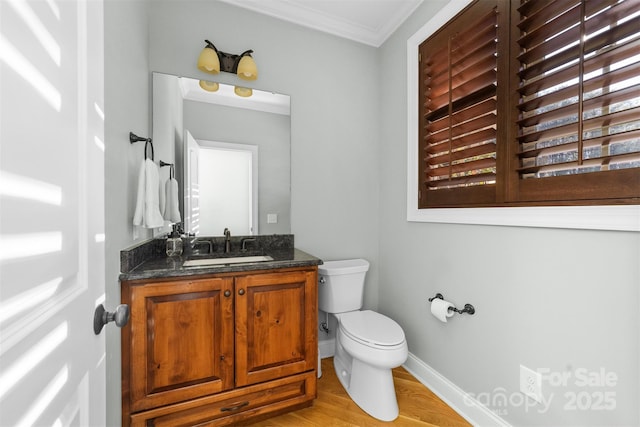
181 338
276 314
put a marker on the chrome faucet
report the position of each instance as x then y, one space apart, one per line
227 241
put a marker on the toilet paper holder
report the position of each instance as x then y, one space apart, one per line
468 308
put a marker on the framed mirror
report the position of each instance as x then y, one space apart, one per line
230 154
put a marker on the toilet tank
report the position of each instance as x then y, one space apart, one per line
341 285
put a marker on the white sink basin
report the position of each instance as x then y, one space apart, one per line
224 261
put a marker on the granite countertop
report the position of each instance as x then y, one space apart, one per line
148 260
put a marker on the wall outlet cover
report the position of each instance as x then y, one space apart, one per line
531 383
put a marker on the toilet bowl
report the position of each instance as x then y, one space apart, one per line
367 345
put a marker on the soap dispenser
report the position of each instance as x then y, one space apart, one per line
174 243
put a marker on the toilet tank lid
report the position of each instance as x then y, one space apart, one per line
345 266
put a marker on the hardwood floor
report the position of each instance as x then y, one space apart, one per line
333 407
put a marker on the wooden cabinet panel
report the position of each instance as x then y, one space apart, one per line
275 325
219 349
233 407
181 341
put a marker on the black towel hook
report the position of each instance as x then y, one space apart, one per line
171 171
148 144
133 138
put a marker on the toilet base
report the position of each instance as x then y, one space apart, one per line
376 395
371 388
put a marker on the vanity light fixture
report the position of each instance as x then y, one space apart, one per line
212 61
209 86
247 68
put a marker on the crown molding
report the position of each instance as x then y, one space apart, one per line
370 23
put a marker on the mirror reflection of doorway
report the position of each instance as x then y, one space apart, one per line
227 184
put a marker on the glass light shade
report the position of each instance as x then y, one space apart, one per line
208 61
244 92
247 69
209 86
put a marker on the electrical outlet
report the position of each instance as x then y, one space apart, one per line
531 383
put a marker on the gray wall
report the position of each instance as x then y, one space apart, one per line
579 311
349 200
127 108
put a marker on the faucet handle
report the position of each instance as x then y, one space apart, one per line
244 241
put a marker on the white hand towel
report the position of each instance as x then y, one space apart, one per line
147 212
163 201
153 218
138 215
172 209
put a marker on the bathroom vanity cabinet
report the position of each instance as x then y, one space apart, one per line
219 349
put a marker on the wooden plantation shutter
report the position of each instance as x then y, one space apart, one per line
578 130
458 91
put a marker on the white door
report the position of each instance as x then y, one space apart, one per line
52 365
228 177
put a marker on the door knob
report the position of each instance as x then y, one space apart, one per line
101 317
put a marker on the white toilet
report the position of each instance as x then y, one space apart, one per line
368 344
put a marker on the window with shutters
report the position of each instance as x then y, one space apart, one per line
533 102
459 94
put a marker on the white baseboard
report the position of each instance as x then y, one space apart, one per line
468 408
326 348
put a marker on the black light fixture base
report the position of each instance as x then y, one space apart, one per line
228 61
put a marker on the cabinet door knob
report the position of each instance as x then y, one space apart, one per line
241 291
227 293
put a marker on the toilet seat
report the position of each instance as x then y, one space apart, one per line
372 329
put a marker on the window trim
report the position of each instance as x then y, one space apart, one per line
618 218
